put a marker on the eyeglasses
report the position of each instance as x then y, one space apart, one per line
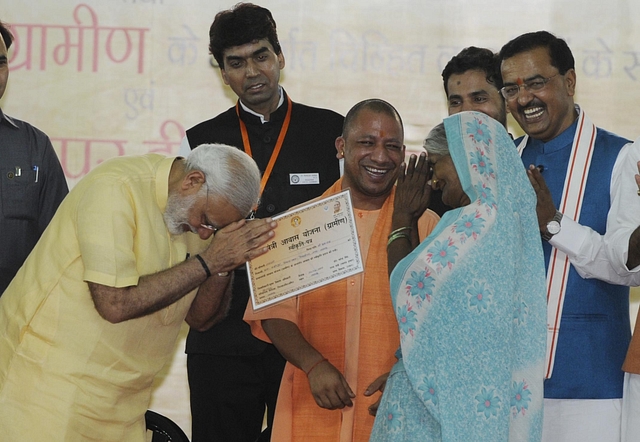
537 84
207 224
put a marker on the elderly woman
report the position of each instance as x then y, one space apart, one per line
470 299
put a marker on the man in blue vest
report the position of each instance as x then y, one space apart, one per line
570 164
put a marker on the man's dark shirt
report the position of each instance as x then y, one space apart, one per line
307 148
32 185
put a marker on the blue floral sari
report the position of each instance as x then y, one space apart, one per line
471 307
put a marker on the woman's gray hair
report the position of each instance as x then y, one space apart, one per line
436 141
230 173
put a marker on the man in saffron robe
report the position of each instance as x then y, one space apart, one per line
339 339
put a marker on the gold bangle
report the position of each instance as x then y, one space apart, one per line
401 229
398 235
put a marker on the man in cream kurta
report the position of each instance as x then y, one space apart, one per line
343 336
93 314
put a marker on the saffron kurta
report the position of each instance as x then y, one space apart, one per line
351 323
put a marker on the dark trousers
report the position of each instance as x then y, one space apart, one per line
229 395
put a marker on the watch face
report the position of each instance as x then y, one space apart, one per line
553 227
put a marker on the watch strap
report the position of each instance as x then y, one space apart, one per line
557 218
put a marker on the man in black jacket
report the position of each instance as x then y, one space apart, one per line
32 182
233 375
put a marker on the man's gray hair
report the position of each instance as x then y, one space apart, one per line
436 141
230 173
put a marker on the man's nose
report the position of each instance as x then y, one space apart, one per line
524 96
380 153
467 106
204 233
252 69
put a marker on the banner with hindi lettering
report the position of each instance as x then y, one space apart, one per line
117 77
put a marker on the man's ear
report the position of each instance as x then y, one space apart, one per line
225 79
281 60
570 79
340 147
193 181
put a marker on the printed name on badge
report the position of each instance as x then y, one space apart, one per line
297 179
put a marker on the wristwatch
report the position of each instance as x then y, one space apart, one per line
553 226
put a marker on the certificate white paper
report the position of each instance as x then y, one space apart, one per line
314 245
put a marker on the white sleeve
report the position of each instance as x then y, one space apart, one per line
185 148
604 256
624 215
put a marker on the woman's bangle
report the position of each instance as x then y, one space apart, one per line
316 364
401 229
204 265
398 235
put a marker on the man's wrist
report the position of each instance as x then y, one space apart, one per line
310 369
552 227
204 265
633 254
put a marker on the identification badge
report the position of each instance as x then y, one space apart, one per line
298 179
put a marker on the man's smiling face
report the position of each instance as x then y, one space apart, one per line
470 91
546 113
373 151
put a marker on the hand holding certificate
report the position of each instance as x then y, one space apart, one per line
315 244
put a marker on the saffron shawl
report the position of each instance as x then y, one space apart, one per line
324 313
470 302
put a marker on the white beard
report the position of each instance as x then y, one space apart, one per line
176 215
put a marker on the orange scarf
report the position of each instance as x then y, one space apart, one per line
324 312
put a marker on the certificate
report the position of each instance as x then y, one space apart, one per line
314 245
